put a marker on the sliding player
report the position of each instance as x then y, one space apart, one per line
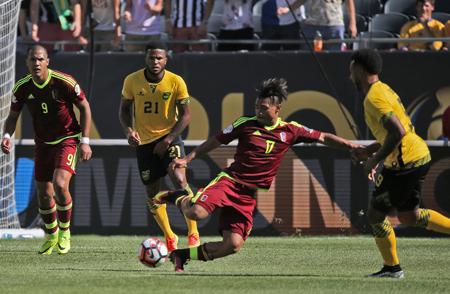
263 141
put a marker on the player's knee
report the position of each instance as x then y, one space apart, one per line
196 212
233 247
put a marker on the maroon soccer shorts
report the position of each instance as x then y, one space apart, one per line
48 157
237 204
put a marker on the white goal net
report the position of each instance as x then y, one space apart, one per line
9 14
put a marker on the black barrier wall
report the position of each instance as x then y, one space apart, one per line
222 88
317 191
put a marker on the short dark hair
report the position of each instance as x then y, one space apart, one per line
156 45
275 89
368 59
36 46
423 1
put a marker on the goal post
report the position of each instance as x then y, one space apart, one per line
9 220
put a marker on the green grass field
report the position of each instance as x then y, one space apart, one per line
264 265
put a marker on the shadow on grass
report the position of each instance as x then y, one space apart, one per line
184 274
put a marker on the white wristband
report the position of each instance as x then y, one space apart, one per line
6 136
84 140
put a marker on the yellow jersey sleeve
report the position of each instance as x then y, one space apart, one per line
127 90
181 91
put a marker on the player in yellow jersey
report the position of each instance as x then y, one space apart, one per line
161 112
407 160
422 27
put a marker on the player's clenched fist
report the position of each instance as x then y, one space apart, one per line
6 145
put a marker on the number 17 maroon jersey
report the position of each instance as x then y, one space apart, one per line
261 148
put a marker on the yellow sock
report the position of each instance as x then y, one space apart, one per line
162 219
387 245
160 214
192 225
433 220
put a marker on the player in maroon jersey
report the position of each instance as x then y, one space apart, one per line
59 140
263 141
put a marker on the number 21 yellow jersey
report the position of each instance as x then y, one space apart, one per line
155 104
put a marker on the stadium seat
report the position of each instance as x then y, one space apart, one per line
442 6
407 7
214 23
162 20
366 8
361 23
441 17
257 28
366 37
391 22
257 8
218 7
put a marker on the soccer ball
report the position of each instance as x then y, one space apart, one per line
152 252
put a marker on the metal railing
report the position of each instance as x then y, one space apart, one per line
259 42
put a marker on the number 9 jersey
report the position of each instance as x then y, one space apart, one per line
50 105
155 104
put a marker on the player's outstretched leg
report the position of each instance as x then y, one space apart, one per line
432 220
180 257
170 196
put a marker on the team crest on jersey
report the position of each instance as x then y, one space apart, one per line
228 130
145 175
13 99
152 87
166 96
54 95
307 129
204 197
283 136
77 89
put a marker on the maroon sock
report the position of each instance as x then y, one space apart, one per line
48 215
64 214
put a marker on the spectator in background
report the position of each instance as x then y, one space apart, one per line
143 22
237 24
107 14
422 27
278 23
48 26
23 34
446 123
187 20
328 18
